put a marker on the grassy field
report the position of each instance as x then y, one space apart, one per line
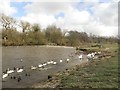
96 74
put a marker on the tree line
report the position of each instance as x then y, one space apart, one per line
33 34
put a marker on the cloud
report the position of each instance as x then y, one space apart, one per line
101 29
107 13
91 17
6 8
48 7
43 19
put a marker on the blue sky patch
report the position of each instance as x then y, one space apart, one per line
61 14
20 8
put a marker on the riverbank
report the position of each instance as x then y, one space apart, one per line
96 74
99 73
41 46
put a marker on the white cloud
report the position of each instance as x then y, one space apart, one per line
6 8
43 19
101 30
48 7
102 20
107 13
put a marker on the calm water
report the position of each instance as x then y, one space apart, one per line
32 55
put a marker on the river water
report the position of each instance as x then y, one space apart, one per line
34 55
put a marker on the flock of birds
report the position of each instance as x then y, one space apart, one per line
90 56
19 70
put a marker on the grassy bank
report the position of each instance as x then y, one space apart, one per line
95 74
99 73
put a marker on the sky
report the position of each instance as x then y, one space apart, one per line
99 17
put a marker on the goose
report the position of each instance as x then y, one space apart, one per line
54 63
61 60
33 68
5 75
19 70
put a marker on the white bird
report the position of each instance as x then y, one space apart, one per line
54 63
48 62
93 54
80 57
40 65
33 68
44 64
5 75
21 60
68 60
51 62
89 56
10 71
19 70
99 52
61 60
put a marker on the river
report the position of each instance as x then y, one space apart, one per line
33 56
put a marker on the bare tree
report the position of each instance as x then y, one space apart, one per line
7 22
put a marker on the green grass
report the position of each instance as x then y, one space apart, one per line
106 46
97 74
